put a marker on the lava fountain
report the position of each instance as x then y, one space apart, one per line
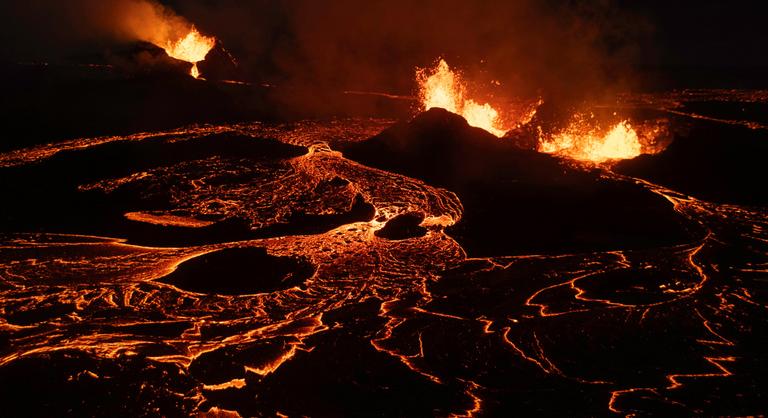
582 142
192 48
443 87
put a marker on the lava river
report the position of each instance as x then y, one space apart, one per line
253 269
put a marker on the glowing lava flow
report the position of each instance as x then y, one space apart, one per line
192 48
417 312
588 144
442 87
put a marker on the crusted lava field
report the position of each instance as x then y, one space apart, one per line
367 267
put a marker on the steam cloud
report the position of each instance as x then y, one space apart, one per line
49 28
528 45
572 47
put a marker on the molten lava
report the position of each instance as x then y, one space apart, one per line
442 87
192 48
582 142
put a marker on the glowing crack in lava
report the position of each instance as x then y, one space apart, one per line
442 87
192 48
581 142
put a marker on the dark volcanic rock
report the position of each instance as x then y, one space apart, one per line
436 146
301 223
520 201
343 367
523 138
146 59
150 91
239 271
121 158
715 162
54 182
403 226
238 229
219 65
68 383
222 160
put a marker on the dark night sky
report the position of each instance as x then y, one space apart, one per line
527 44
707 33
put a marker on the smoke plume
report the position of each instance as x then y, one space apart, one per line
527 46
50 29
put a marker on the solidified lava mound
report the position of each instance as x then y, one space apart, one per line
403 226
220 65
705 165
148 60
239 271
519 201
